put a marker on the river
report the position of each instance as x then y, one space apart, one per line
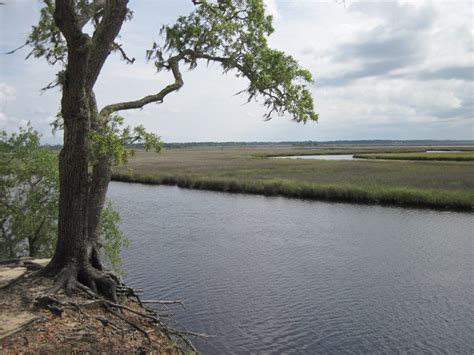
320 157
271 275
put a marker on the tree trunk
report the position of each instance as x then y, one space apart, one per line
81 199
32 250
71 261
73 164
101 174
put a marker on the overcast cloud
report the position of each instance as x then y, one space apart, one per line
383 70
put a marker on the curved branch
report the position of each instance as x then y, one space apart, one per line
159 97
173 64
125 57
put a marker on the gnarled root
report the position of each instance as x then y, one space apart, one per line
100 282
71 277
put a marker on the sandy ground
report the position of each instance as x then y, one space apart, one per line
12 319
9 271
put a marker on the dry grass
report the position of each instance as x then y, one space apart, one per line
429 184
454 156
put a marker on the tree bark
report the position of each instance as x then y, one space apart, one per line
101 174
99 183
81 197
73 161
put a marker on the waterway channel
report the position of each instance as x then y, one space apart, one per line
271 275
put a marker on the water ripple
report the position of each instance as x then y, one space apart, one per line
273 275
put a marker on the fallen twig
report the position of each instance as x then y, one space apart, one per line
128 321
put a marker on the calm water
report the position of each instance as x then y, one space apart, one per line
275 275
323 157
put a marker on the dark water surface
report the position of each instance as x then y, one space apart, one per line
275 275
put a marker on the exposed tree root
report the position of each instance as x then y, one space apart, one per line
116 309
91 288
130 322
71 278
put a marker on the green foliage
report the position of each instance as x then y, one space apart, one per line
234 33
112 238
29 186
111 139
29 190
47 40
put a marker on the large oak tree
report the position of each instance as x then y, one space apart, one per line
79 35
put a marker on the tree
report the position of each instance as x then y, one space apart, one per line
29 190
232 33
29 186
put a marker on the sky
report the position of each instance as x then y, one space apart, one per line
382 69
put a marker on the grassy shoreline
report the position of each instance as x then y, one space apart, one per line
403 197
464 156
426 184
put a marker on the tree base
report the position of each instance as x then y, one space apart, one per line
73 275
35 321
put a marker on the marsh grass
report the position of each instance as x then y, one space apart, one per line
455 156
433 184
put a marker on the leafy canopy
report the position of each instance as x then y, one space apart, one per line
234 33
231 32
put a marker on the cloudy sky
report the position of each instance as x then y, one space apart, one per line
383 70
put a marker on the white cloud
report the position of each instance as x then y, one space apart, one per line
3 120
7 93
272 8
10 124
420 91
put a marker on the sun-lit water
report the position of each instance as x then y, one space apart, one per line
274 275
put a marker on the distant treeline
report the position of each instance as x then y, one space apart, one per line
321 143
376 142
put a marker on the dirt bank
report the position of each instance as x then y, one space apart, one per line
32 320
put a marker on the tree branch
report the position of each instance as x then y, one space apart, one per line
159 97
17 49
115 12
92 11
225 61
125 57
173 64
66 20
51 85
